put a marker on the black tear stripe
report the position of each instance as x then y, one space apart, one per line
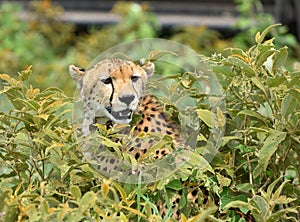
112 93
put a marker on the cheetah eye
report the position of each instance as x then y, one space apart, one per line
107 81
134 78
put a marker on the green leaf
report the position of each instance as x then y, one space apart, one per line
75 192
288 105
275 81
175 185
259 38
183 200
87 201
280 214
252 114
241 65
295 93
3 195
24 75
272 185
259 84
45 207
225 70
279 59
236 204
157 54
268 149
206 116
260 208
263 57
226 139
279 190
11 213
266 111
223 181
295 79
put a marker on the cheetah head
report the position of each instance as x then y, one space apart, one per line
113 86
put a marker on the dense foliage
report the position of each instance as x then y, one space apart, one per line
254 175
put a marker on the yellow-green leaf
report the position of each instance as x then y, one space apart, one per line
268 149
206 116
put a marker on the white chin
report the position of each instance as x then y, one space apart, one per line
121 121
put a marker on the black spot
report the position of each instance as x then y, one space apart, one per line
153 130
195 193
112 161
157 152
138 145
141 122
149 119
146 129
161 116
139 129
153 109
104 169
137 155
157 123
177 200
169 132
102 158
152 115
163 152
151 141
146 107
131 149
158 129
144 151
149 102
164 125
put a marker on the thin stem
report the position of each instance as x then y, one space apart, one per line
248 158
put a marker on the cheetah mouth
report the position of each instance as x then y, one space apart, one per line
121 115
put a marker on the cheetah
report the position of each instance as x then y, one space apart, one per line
116 89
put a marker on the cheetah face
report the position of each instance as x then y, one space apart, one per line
112 87
123 89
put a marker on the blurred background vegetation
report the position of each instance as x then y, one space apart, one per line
50 45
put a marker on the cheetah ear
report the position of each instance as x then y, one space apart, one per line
76 72
149 67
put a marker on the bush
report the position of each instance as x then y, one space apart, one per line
255 173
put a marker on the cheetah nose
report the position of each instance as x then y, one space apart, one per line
127 99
